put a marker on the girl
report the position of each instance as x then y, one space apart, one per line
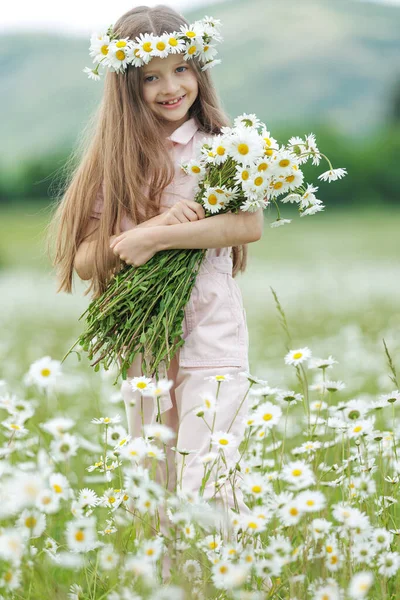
128 199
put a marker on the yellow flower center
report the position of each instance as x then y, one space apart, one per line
223 442
121 44
150 552
290 178
223 569
104 49
329 549
147 47
220 150
297 355
45 372
256 489
173 41
297 472
293 511
111 499
120 54
57 488
258 181
310 502
160 46
278 185
212 199
195 169
30 522
252 525
267 417
79 536
191 34
262 166
212 545
192 50
245 175
284 162
243 149
357 429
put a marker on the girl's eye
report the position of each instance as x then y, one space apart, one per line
150 76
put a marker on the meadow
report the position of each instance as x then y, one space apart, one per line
319 466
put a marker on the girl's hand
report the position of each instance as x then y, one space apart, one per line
135 246
182 212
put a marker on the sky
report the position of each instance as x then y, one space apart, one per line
86 16
78 16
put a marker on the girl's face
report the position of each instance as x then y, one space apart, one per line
167 79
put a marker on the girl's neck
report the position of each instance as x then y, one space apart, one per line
170 126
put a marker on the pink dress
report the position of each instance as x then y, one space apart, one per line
216 341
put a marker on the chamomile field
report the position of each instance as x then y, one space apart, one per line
319 465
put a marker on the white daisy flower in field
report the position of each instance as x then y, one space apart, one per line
334 386
145 503
191 570
62 448
106 420
111 498
109 528
108 558
188 530
141 384
320 528
159 432
283 163
194 31
58 425
242 174
311 500
362 487
280 222
219 378
251 205
136 449
363 552
44 372
288 396
117 436
208 458
154 390
328 591
391 398
388 563
322 363
154 452
308 198
48 501
223 439
245 146
381 538
255 484
360 428
208 402
211 542
332 174
31 523
360 585
194 167
227 576
16 426
81 534
318 405
296 357
290 514
267 414
12 545
307 447
87 497
291 198
299 474
60 485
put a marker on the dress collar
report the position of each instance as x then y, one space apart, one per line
184 133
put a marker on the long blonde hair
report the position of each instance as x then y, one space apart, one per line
123 149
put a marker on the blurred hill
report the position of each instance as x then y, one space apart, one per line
310 62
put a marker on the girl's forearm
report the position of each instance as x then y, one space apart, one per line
218 231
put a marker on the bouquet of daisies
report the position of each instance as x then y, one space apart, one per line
243 168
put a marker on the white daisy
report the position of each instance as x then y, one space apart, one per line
219 378
159 432
92 73
212 201
153 390
311 500
108 558
245 146
144 46
267 414
360 585
174 43
44 372
298 474
210 64
247 120
99 43
223 439
194 167
81 534
119 54
312 210
296 357
332 174
106 420
161 46
280 222
194 31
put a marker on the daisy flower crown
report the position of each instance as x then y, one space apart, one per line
196 40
